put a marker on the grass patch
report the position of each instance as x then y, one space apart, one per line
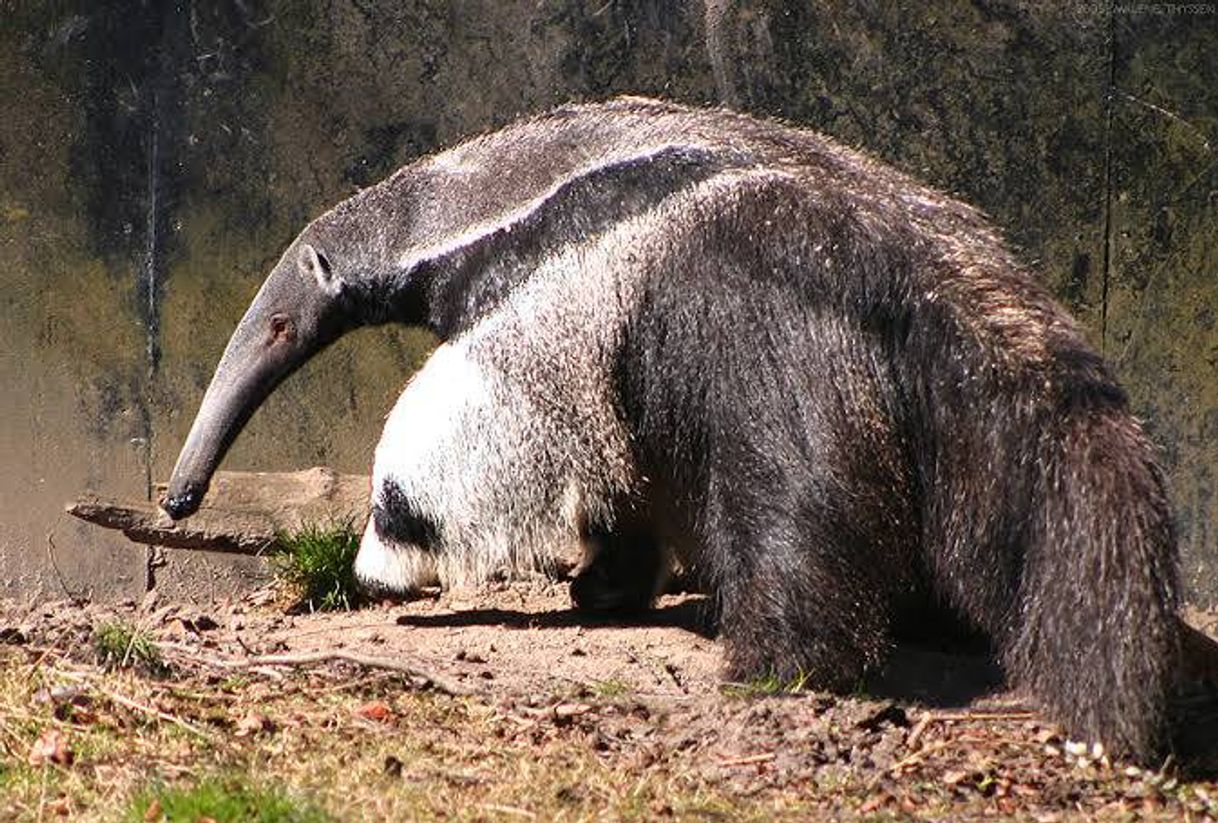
222 799
609 688
317 564
121 645
769 685
435 758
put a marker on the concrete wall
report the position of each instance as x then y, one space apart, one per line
156 157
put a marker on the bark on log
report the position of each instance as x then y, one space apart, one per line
242 513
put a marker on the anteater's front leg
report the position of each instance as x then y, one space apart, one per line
475 476
623 571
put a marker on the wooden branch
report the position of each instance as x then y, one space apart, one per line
437 682
210 530
241 514
136 706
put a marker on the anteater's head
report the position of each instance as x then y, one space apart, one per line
310 298
371 258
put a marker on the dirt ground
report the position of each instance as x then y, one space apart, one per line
548 715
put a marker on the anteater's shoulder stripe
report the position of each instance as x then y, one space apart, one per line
472 272
697 161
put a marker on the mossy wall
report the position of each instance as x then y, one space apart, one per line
156 157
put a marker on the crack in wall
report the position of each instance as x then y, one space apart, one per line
714 11
1109 104
149 276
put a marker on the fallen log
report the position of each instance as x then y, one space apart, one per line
243 511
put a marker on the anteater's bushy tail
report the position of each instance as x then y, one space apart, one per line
1095 637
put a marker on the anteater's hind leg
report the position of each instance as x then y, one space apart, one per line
801 592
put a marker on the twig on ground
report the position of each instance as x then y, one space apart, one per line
918 756
155 712
267 671
42 794
44 652
440 684
495 807
979 716
748 760
919 728
59 578
135 705
16 738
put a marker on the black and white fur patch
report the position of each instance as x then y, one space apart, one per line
829 388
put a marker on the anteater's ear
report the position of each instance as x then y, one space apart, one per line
313 262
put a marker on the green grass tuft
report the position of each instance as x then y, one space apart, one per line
767 686
609 688
222 799
120 645
317 563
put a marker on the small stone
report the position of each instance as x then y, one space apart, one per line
204 623
60 806
1075 748
955 777
571 709
11 635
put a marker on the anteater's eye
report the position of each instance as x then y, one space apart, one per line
282 328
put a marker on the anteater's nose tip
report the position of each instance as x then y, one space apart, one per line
183 504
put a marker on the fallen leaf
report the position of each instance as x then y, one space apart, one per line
153 812
51 747
873 803
955 778
376 710
59 806
59 695
1046 736
252 724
